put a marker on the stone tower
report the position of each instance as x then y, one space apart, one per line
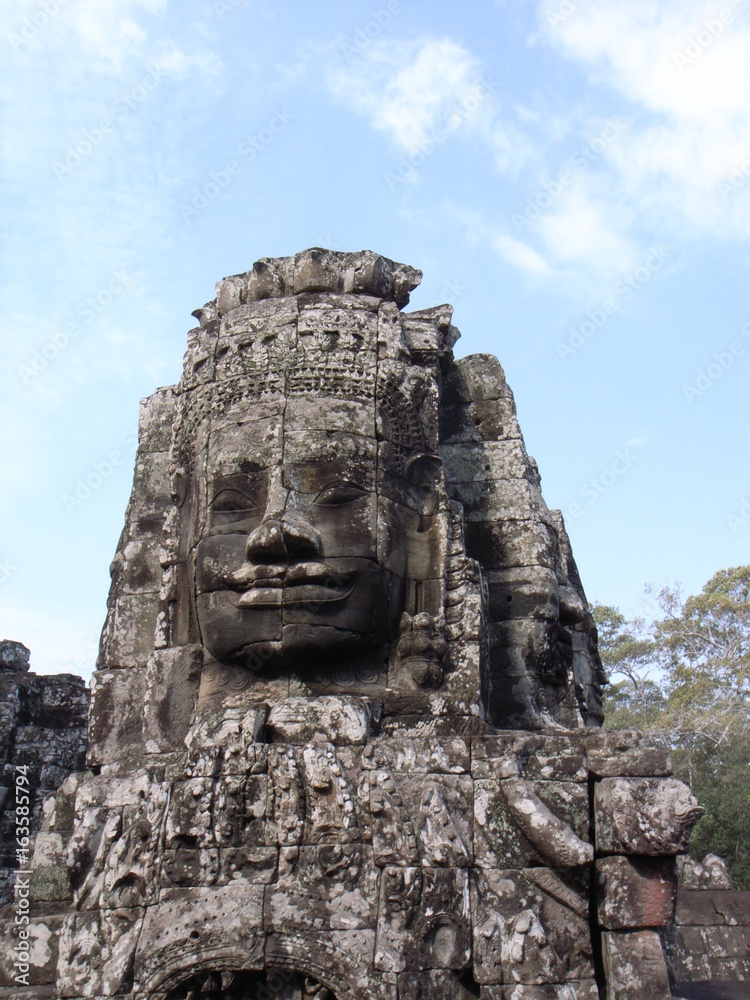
344 735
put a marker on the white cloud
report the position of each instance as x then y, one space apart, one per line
686 72
584 229
409 89
676 80
520 255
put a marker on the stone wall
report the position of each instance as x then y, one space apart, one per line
43 720
712 926
345 733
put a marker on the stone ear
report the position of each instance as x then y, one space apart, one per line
424 473
178 486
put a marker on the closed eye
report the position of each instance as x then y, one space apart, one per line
336 494
232 502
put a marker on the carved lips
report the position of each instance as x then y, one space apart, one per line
302 583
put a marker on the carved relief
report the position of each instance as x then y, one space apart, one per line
334 806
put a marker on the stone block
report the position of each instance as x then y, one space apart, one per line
490 460
151 486
171 684
155 421
443 983
320 889
520 593
478 421
644 815
536 756
494 500
530 927
96 952
623 754
347 416
129 637
404 752
634 966
518 824
563 991
136 568
475 377
697 908
188 925
510 544
116 716
50 879
423 919
41 937
342 720
635 892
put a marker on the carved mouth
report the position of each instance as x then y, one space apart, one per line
303 583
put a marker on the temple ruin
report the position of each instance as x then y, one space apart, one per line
344 739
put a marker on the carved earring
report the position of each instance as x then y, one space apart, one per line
421 649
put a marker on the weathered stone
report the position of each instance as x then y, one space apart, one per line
518 824
423 919
624 754
188 926
634 966
711 873
715 906
530 755
341 720
42 739
635 892
339 724
530 927
116 728
644 815
14 656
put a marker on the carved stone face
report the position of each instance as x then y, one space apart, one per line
288 562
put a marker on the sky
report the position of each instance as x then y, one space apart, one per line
572 175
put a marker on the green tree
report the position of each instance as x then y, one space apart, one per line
685 681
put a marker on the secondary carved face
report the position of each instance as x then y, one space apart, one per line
287 562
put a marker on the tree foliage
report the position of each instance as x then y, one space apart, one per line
684 680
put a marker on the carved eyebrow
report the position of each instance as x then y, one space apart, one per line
245 478
232 499
312 477
339 492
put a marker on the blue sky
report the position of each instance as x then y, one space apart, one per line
573 175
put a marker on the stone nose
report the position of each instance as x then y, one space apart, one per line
282 539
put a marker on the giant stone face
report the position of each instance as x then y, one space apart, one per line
289 563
